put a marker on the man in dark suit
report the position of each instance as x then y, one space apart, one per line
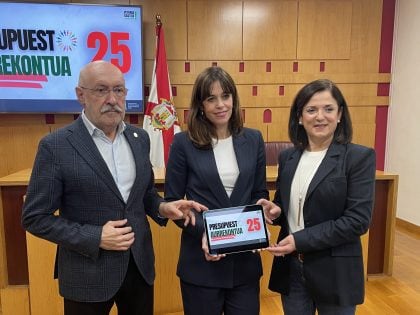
97 172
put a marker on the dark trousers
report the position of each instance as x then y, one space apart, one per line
300 302
240 300
135 297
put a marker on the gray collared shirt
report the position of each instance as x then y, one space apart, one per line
117 155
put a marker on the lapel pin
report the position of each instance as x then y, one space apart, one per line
135 135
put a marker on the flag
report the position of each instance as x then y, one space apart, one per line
160 119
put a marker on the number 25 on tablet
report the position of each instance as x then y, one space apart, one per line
253 224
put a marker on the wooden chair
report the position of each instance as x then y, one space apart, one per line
272 150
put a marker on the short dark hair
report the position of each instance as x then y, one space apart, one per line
200 129
297 134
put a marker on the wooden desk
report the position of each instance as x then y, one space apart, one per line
13 188
382 228
44 298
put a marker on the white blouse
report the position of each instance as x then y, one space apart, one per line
305 171
226 162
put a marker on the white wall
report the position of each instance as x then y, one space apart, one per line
403 135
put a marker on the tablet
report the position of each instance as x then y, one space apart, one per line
236 229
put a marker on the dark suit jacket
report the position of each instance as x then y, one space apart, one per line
192 172
337 211
70 174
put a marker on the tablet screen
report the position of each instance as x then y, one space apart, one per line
235 229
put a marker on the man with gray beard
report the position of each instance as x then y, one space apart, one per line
97 173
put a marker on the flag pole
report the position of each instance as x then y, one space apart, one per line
158 20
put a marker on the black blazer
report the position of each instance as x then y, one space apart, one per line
192 172
70 174
337 211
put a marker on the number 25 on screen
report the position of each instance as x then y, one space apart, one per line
253 224
100 40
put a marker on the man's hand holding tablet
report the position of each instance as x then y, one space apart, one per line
236 229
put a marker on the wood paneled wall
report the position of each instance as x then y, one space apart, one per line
271 49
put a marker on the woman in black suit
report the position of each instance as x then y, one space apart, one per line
325 188
221 164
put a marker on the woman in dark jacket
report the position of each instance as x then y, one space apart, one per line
325 188
220 164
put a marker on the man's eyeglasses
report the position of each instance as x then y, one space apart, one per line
119 91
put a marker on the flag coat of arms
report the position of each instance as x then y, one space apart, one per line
160 119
